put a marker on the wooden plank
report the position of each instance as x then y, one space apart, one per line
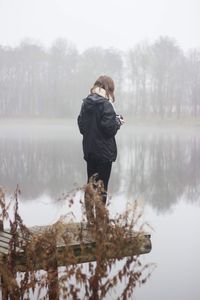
4 239
4 242
4 245
5 234
3 250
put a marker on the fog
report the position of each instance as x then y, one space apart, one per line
112 23
51 52
153 80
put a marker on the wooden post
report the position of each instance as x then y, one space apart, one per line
53 284
4 292
1 225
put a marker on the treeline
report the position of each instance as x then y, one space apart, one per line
156 79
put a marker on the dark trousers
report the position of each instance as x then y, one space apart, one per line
103 169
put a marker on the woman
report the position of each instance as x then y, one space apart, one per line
98 123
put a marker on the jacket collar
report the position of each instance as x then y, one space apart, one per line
101 92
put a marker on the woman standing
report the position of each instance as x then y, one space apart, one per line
99 123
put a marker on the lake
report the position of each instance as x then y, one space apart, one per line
158 166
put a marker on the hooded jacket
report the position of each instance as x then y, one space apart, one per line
98 125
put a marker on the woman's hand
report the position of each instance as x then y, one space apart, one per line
120 120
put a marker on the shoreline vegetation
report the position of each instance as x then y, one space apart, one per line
40 252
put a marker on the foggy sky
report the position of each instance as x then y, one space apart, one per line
105 23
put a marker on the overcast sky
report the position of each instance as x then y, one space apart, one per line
106 23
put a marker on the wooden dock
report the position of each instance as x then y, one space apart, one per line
73 243
81 241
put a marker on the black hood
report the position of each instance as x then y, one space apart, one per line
92 100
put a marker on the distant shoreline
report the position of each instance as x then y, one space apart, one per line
135 121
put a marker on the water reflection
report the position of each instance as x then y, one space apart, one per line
41 165
160 166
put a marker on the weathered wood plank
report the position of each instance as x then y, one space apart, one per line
77 250
4 239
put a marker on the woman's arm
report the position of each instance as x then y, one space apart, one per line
80 120
109 125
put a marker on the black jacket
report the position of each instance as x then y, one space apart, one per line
98 125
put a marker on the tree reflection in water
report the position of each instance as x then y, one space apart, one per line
161 166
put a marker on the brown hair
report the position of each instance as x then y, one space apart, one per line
107 84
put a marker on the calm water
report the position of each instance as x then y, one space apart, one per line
158 166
